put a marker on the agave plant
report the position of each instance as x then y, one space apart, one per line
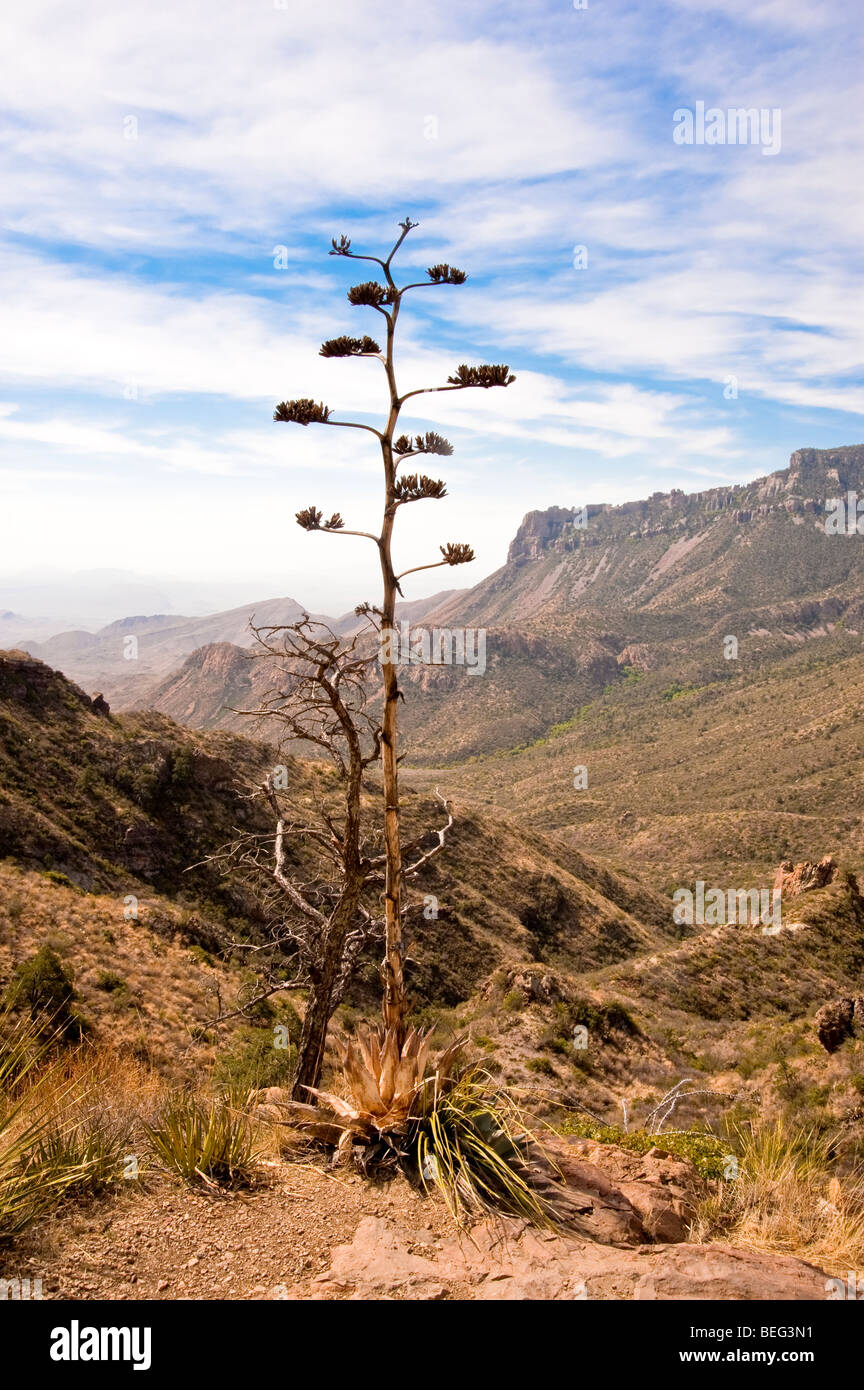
444 1123
384 1083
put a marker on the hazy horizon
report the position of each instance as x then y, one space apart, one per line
50 599
75 599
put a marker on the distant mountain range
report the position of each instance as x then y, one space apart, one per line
131 675
585 602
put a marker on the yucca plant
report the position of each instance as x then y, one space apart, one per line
25 1193
79 1157
205 1141
471 1142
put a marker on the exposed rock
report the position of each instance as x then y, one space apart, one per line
640 655
536 984
794 879
721 1272
662 1192
838 1020
538 530
99 704
509 1261
379 1261
28 682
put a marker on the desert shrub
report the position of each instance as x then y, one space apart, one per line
541 1065
601 1020
62 880
708 1153
200 954
253 1061
41 984
110 982
182 767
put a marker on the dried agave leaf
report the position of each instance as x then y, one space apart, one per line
363 1086
389 1063
335 1103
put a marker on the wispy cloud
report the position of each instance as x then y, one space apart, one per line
155 157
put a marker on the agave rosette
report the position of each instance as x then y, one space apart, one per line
385 1081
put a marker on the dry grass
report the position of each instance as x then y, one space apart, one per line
787 1199
75 1123
164 1005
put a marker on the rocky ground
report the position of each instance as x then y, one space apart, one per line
308 1232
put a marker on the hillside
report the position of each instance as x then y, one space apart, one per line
651 586
607 649
648 586
126 660
571 979
698 774
531 937
100 807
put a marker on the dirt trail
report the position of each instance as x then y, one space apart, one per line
312 1234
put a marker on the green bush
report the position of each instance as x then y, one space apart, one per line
62 880
253 1061
707 1152
110 982
42 985
541 1065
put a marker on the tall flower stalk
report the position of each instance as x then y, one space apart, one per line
400 489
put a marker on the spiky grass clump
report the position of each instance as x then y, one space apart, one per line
787 1198
471 1142
205 1141
78 1159
25 1191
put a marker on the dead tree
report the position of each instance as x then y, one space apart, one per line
400 489
319 875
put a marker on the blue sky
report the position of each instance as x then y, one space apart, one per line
155 157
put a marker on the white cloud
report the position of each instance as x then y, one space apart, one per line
514 135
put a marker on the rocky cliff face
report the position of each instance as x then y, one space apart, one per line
538 531
813 475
